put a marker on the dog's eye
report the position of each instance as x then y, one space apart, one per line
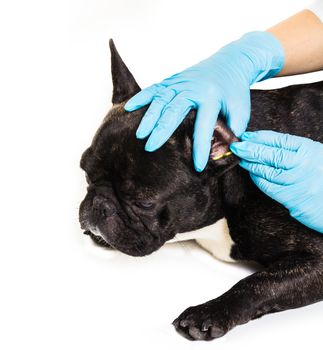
144 204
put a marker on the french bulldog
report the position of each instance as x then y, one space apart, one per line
138 200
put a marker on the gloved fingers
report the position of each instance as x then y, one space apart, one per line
238 114
174 79
143 97
154 112
272 190
262 154
206 117
274 139
172 115
271 174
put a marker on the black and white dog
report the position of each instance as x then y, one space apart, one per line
138 200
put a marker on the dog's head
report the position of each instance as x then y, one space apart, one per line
137 200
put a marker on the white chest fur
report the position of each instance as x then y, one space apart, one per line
214 238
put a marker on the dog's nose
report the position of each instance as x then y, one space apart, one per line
103 206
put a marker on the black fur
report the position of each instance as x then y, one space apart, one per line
138 200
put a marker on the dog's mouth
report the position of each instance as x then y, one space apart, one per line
137 249
97 239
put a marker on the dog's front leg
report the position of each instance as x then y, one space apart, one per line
290 282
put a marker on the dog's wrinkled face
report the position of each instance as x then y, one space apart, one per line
137 200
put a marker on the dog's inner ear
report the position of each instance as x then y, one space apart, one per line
221 157
221 140
124 84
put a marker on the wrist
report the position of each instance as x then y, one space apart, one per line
259 55
266 52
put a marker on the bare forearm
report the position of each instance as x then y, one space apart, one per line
302 39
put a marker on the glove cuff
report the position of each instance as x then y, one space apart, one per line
266 53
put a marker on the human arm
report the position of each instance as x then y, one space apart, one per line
302 39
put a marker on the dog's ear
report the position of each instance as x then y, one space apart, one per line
220 153
124 84
221 158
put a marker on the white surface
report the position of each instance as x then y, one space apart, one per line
56 291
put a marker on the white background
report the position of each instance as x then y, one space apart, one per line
57 290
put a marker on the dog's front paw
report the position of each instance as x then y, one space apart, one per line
202 322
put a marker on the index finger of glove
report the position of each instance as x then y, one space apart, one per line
262 154
144 97
274 139
154 112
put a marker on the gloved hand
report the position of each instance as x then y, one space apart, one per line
219 83
287 168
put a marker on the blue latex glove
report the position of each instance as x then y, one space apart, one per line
287 168
219 83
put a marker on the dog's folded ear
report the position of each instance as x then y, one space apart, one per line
220 153
221 158
124 84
